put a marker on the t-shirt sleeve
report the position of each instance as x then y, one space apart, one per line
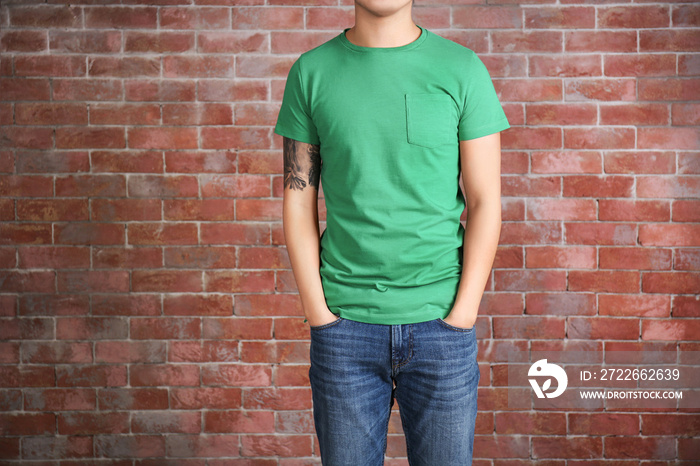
294 119
482 112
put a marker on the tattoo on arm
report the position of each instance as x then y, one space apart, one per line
302 164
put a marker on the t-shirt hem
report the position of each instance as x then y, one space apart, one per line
485 130
296 136
416 318
400 305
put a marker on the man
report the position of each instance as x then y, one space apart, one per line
386 115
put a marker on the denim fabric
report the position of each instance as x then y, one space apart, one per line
359 369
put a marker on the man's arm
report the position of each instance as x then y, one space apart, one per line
480 161
302 173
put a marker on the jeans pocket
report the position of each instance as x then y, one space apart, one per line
431 119
328 325
455 329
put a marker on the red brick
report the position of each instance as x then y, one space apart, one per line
637 65
671 330
58 352
677 424
530 233
237 375
278 398
49 447
268 305
526 41
9 448
116 257
238 328
198 162
60 399
299 422
566 162
230 233
9 352
138 446
130 305
529 327
55 257
130 351
133 398
98 328
561 209
685 114
607 90
158 186
205 397
529 280
531 423
600 233
470 17
558 304
603 328
642 448
237 281
292 376
634 305
167 281
634 211
675 40
28 376
598 186
567 447
203 446
580 257
198 209
567 66
275 352
669 235
10 400
669 187
530 186
93 281
605 281
494 446
26 424
637 17
229 136
208 351
603 424
26 328
85 423
272 445
166 422
164 328
234 422
164 374
162 234
635 258
686 211
686 306
640 162
671 282
91 376
668 138
689 449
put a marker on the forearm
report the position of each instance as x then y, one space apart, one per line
480 243
301 233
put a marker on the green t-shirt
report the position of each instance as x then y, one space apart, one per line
388 122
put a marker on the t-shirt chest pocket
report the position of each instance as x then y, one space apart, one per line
431 119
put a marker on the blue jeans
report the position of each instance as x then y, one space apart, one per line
358 369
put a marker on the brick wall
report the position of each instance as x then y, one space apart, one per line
148 306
